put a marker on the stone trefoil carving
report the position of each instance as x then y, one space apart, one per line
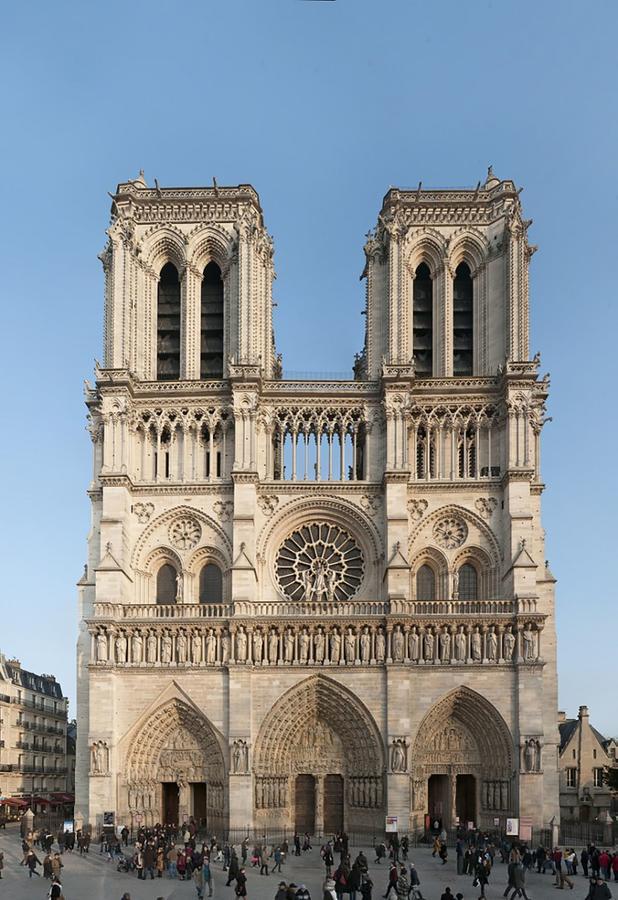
223 509
143 511
486 506
185 533
319 561
268 503
417 509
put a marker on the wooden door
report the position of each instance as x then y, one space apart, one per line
170 803
333 804
305 804
199 802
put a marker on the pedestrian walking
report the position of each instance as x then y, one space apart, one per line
241 884
32 861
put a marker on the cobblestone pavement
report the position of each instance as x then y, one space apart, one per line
91 878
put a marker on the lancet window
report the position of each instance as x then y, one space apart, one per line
468 582
211 323
166 584
422 321
211 584
425 583
462 321
168 324
312 445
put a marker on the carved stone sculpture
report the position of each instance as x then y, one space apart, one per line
335 646
273 646
303 646
365 646
211 647
101 641
492 645
445 644
460 645
350 646
476 650
241 645
428 645
398 644
137 647
258 644
398 755
508 643
528 643
319 646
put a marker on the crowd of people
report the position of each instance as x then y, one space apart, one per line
177 853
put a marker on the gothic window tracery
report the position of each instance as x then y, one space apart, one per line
462 321
211 323
168 324
319 561
422 322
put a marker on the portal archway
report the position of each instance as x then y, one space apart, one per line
462 762
175 769
319 761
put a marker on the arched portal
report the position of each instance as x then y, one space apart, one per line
462 762
319 761
175 769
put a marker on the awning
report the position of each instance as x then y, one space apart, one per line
59 797
13 801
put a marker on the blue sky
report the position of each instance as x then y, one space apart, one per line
321 106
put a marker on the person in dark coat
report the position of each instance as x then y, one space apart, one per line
32 861
598 890
233 870
241 884
354 880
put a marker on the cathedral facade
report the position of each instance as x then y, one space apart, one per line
310 603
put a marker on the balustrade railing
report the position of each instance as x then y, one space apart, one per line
323 608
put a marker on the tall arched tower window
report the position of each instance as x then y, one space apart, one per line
462 321
166 584
211 333
422 321
168 324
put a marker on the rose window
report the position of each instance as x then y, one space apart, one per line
319 561
450 533
185 533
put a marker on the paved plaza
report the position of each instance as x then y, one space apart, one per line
91 878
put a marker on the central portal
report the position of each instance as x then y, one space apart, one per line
305 804
170 803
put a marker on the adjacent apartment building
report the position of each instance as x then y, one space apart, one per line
584 754
33 735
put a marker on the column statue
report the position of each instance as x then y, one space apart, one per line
398 644
365 646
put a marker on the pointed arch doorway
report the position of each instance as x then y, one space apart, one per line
463 762
319 761
175 770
